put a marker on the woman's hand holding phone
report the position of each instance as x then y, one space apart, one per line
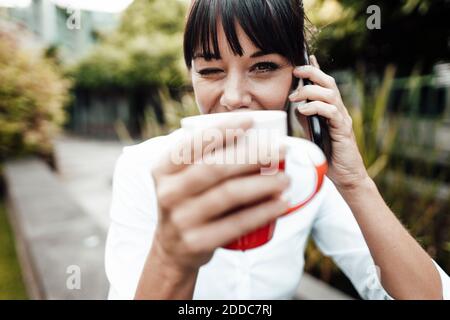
347 168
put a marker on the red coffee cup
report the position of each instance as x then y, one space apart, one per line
264 234
302 155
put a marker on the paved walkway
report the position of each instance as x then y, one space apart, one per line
60 246
86 167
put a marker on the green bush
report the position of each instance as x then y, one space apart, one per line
145 50
32 96
174 109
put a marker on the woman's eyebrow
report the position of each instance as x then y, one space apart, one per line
256 54
259 53
198 55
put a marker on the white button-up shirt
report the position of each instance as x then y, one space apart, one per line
272 271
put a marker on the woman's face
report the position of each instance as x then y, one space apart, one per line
255 81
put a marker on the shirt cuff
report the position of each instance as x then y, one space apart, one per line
445 280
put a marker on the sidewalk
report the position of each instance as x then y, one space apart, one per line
86 168
60 219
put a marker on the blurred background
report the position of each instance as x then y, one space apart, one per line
81 79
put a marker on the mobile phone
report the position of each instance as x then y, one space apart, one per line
317 125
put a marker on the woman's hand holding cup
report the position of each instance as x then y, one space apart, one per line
204 205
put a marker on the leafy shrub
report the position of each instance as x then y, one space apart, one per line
174 109
145 50
32 97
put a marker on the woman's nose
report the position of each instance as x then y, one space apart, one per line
235 94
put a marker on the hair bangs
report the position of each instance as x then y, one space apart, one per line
273 26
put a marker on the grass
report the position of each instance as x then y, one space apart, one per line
11 283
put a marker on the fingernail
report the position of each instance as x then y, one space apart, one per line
301 68
293 94
285 179
303 109
285 200
283 151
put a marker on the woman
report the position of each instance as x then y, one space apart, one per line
167 225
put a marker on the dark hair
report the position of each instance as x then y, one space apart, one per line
274 26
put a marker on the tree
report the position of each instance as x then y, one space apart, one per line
146 49
412 33
32 97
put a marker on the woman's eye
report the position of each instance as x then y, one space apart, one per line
207 72
263 67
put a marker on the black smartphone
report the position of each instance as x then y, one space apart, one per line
318 126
